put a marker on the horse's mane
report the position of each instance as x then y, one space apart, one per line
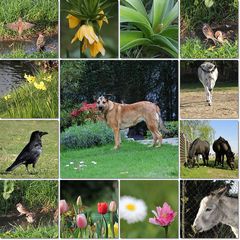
194 142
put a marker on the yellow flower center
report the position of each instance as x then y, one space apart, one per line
131 207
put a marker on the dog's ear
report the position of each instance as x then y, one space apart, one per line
107 96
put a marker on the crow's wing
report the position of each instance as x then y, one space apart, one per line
30 152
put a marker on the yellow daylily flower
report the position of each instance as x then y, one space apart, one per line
94 48
30 78
7 97
40 86
48 78
72 21
86 31
104 19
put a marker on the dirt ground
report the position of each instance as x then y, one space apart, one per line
193 104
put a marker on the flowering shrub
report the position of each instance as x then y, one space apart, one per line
80 222
87 112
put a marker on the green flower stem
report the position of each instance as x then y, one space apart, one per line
101 225
112 224
106 227
166 231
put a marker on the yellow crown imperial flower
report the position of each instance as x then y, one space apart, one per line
94 48
86 31
104 19
29 78
40 86
72 21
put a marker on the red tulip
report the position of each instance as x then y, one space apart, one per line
102 207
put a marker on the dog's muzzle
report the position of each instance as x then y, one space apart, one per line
100 108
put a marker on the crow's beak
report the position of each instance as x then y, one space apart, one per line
43 133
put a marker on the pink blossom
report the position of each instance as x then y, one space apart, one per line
63 206
81 220
163 216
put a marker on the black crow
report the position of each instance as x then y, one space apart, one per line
30 153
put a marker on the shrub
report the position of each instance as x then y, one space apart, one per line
172 127
87 135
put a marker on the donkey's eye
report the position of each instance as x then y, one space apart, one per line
208 209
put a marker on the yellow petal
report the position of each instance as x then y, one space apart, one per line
104 19
95 48
72 21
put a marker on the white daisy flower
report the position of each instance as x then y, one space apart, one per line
71 162
132 210
93 162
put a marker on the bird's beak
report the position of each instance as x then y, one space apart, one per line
43 133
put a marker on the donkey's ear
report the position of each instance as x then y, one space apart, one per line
220 192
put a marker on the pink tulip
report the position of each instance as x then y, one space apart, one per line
81 220
63 206
163 216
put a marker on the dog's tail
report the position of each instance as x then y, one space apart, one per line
161 124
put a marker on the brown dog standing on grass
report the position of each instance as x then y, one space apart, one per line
120 116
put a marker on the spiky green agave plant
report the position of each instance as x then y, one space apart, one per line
154 28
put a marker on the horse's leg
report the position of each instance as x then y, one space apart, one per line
208 96
222 160
197 160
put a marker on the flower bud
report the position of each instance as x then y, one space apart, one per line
79 201
63 206
112 206
81 220
102 207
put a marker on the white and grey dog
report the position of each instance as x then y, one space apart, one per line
208 74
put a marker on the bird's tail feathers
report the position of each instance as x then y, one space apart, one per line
13 166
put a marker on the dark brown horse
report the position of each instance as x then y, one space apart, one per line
221 147
198 147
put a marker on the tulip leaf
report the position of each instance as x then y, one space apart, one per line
137 19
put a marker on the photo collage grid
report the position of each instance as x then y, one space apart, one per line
119 119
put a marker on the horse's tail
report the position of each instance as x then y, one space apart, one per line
160 121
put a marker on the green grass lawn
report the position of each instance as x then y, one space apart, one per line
16 136
31 232
132 160
209 172
194 48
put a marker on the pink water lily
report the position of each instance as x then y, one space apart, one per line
163 216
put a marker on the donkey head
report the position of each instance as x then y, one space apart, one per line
210 211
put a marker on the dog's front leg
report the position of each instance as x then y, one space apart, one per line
116 137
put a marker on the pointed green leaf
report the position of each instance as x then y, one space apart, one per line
137 19
164 42
171 16
157 12
137 5
128 36
171 32
135 43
